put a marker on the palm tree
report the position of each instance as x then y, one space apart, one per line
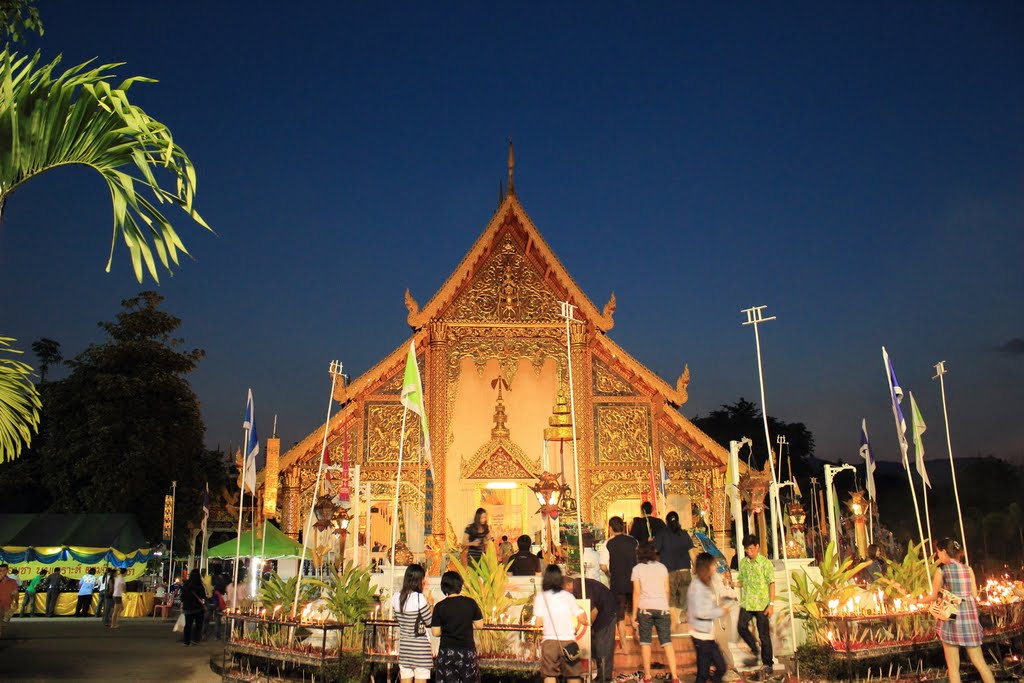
79 117
19 403
48 352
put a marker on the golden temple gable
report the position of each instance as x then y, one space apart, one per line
498 318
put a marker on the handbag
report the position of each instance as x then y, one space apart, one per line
571 652
945 606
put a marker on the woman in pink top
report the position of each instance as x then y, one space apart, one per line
118 593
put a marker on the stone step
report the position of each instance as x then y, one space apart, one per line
686 656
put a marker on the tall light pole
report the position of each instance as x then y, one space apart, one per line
940 373
567 313
755 318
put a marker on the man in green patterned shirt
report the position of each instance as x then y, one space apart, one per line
757 599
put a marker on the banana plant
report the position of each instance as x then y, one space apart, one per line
276 591
486 581
349 597
810 598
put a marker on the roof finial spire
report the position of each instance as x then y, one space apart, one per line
511 167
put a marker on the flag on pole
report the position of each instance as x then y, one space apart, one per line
412 399
896 396
252 447
869 459
919 427
663 483
206 507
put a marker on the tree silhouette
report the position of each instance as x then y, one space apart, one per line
48 353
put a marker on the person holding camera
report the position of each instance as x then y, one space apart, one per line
962 628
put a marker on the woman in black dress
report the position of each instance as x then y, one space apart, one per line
476 535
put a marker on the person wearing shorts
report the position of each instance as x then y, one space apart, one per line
119 584
650 608
562 620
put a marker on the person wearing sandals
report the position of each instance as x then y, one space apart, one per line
650 608
965 630
453 622
562 620
412 610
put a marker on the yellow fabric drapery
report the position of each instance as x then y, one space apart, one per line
135 604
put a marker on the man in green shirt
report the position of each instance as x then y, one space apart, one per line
29 601
757 598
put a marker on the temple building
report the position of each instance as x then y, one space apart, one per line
491 346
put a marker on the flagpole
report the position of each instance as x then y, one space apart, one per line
755 317
398 488
334 369
238 537
940 372
906 463
567 313
206 520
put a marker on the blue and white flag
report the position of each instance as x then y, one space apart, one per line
869 459
896 395
663 484
252 447
206 507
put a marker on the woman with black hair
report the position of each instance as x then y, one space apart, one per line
475 536
962 629
193 604
453 622
676 552
412 610
562 621
650 608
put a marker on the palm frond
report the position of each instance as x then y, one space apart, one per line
78 117
19 404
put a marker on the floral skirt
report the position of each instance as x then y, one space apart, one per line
453 665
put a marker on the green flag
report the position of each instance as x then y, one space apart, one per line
412 398
919 428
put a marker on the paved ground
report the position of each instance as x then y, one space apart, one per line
70 649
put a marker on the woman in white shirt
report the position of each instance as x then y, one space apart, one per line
563 620
650 608
119 585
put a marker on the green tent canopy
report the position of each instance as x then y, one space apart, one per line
278 546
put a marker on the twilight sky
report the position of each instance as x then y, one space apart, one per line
857 168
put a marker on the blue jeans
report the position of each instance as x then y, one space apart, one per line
708 655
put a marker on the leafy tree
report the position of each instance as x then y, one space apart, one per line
734 421
48 353
125 423
49 120
17 16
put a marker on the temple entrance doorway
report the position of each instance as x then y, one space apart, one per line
510 505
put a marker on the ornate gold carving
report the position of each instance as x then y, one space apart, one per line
393 387
683 382
438 332
508 346
410 303
502 463
676 454
386 491
609 308
578 334
383 434
506 288
612 485
608 383
623 433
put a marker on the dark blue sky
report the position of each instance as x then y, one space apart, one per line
856 168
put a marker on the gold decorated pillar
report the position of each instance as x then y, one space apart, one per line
437 420
584 417
719 515
291 518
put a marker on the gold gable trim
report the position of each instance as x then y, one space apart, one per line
500 459
512 216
